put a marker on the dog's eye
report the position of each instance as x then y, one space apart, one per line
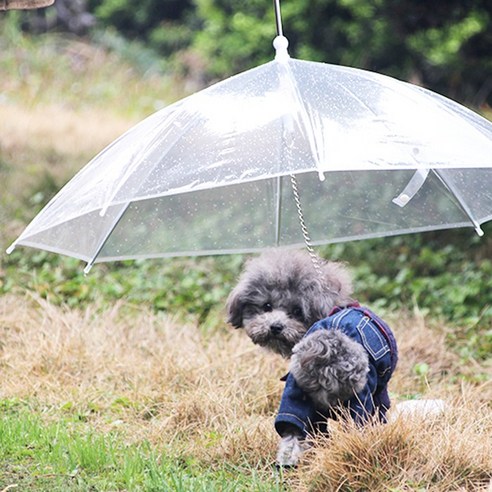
267 307
297 312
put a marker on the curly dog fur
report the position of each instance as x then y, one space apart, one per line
329 366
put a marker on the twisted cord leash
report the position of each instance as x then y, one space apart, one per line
305 232
304 229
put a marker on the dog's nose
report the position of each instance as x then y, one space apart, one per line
276 328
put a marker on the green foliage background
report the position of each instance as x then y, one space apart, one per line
444 45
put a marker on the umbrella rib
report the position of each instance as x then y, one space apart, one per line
371 110
444 104
461 202
145 148
358 99
106 237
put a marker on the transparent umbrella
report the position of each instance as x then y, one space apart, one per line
251 161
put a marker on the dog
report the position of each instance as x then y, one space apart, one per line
341 354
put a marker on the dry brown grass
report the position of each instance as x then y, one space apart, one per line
60 130
422 341
44 145
447 453
214 395
209 395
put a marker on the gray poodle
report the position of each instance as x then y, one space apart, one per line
341 354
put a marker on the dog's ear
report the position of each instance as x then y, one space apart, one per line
331 287
338 280
234 308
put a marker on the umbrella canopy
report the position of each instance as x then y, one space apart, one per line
372 156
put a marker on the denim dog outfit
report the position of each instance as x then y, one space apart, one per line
363 326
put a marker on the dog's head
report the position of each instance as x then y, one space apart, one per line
280 294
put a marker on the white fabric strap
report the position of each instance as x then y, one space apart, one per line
413 186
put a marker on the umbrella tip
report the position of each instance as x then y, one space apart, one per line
479 230
281 43
10 248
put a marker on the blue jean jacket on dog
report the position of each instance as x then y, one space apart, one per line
363 326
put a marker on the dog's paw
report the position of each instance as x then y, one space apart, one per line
290 450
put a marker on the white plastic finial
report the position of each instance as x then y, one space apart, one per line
281 43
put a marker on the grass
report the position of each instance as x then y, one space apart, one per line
64 97
126 399
115 401
74 74
410 454
61 456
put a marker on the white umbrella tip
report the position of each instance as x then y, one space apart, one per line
479 230
281 43
10 248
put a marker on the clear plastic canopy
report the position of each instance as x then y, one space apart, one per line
210 174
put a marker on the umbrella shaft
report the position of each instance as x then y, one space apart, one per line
278 17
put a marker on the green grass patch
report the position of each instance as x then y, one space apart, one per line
40 454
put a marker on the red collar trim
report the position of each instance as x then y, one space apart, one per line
354 304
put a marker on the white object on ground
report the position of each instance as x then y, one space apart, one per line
419 408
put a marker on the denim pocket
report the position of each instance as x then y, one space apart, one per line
373 341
